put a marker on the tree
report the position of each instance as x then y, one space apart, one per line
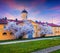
45 29
19 30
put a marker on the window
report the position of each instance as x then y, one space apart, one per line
4 26
11 33
4 33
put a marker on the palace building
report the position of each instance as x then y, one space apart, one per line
8 35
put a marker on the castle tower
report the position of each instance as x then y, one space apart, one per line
24 14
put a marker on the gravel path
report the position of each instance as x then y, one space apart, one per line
48 50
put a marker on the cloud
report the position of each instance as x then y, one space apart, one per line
55 8
52 18
34 8
9 16
13 5
35 13
20 6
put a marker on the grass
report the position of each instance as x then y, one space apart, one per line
28 47
57 51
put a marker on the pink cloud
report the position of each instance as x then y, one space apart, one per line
9 16
13 5
35 13
56 8
55 18
36 3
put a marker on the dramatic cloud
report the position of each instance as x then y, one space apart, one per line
37 9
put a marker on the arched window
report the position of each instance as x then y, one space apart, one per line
11 33
4 33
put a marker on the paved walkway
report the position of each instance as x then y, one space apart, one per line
19 41
48 50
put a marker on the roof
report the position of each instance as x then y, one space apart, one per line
2 21
24 11
50 24
19 21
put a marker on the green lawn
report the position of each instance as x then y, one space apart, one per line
28 47
57 51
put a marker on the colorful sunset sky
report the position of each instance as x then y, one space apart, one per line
40 10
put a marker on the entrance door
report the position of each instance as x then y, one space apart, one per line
30 34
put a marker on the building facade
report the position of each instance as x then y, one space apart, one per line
8 35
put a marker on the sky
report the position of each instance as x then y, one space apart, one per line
40 10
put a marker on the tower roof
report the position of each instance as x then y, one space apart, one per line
24 11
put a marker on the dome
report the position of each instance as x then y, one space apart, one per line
24 11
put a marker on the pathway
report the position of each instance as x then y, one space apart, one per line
19 41
48 50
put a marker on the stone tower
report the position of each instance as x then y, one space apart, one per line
24 14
